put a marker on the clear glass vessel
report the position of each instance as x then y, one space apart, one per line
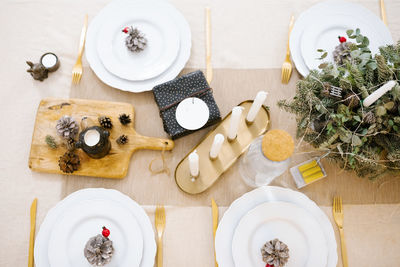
256 169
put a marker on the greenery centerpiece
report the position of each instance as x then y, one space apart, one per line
330 113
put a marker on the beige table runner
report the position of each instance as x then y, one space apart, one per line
248 47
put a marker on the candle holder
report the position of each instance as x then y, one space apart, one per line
100 148
212 169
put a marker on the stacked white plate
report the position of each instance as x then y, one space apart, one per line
80 216
166 53
272 212
320 26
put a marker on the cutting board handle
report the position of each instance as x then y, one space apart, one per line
153 143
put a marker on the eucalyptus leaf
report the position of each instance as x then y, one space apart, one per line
349 32
380 111
389 105
323 65
345 137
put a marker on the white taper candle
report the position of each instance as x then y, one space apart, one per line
257 103
194 164
234 123
216 146
378 93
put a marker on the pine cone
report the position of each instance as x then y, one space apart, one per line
105 122
369 117
67 127
122 140
69 162
124 119
275 253
351 100
99 250
70 144
342 52
135 41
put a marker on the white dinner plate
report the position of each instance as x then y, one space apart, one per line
73 200
287 222
324 36
160 52
79 223
317 15
242 205
125 6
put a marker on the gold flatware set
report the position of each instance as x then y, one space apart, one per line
77 69
287 67
160 227
214 211
338 215
32 232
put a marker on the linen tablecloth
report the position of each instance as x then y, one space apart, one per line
248 46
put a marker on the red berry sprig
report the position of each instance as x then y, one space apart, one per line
126 30
105 232
342 39
268 265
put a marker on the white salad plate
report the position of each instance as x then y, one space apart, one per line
78 224
118 8
74 200
287 222
319 26
160 52
241 206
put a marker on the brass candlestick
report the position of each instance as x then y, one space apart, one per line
212 169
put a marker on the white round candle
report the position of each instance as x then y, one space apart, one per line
92 137
257 103
194 164
378 93
192 113
216 146
49 60
234 123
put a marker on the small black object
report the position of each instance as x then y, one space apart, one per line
38 71
124 119
168 95
122 140
100 149
105 122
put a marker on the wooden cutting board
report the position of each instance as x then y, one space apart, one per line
115 165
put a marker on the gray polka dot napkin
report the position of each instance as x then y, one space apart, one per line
168 95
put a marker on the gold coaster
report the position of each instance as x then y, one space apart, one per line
277 145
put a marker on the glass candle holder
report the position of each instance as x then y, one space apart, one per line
258 170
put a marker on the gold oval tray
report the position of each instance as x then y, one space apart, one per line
211 170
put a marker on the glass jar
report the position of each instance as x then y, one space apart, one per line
258 170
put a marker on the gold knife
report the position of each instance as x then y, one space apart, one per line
209 71
214 209
32 235
383 12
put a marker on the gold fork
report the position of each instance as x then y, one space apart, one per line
287 65
383 12
338 216
77 70
160 226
